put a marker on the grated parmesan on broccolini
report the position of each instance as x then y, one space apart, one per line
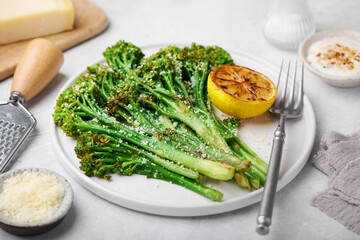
171 132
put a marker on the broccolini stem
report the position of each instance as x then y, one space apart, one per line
192 185
187 183
196 147
144 167
164 149
154 158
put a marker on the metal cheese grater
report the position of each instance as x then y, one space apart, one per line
16 123
37 67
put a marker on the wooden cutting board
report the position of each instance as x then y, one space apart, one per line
90 20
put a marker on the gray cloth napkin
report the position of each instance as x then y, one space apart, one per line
340 160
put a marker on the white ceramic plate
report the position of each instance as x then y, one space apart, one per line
160 197
337 81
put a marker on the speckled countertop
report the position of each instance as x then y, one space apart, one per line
234 24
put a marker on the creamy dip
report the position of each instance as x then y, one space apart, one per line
337 56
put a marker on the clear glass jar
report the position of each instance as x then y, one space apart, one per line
288 23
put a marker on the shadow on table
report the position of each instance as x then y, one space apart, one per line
59 232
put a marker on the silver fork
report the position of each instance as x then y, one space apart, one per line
287 105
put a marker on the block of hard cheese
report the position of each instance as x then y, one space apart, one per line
24 19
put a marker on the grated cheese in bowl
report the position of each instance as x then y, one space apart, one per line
31 196
33 200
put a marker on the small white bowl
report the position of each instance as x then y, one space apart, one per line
337 81
27 229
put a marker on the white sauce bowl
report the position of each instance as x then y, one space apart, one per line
329 78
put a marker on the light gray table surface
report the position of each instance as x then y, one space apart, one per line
234 24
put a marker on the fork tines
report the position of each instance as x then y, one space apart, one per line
290 86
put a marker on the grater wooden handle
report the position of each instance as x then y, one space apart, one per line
38 65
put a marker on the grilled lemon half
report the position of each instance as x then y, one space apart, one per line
240 92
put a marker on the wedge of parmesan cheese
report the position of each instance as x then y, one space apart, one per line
25 19
31 197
